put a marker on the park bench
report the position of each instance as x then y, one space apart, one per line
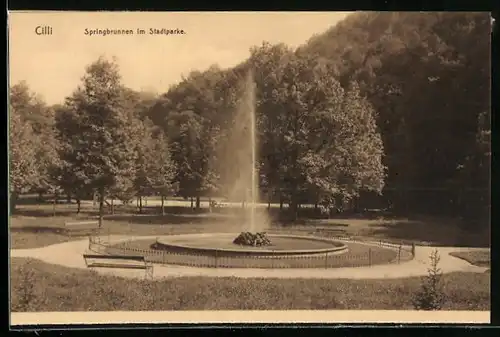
119 261
215 204
331 231
71 227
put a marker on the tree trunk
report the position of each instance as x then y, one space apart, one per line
54 205
78 205
94 200
356 205
294 206
137 203
281 203
192 204
268 205
140 204
112 206
101 206
162 205
13 202
197 202
210 204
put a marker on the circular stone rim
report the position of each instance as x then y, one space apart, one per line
339 247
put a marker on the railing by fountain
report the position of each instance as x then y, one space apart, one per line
392 253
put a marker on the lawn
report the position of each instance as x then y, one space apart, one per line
480 258
45 229
35 225
57 288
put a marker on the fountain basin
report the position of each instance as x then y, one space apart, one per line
221 244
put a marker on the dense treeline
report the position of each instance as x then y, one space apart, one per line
390 103
427 75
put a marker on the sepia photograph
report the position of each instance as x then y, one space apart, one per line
239 167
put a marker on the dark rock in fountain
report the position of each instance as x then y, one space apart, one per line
252 239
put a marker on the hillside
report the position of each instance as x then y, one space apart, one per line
427 75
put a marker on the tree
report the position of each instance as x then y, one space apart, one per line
266 63
97 133
345 154
155 169
23 170
314 132
162 169
194 128
47 157
32 110
185 130
427 77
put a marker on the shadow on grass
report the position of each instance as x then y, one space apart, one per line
430 233
119 211
154 219
49 213
38 229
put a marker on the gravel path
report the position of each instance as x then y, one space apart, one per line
69 254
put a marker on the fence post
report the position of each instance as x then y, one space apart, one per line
399 254
413 249
370 257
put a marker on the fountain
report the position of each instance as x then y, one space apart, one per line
253 247
252 237
238 167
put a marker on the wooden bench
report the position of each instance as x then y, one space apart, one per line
119 261
215 204
71 227
330 231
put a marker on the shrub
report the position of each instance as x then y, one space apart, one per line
431 295
25 298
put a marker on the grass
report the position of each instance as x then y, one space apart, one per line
34 232
35 225
57 288
480 258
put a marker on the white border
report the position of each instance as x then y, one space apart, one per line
228 317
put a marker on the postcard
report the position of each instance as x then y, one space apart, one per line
249 167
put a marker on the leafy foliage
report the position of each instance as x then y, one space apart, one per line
431 294
23 166
97 134
427 77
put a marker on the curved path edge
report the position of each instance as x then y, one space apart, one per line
69 254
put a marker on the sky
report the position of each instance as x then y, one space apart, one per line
52 65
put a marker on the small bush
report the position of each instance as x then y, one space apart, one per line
24 295
431 295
